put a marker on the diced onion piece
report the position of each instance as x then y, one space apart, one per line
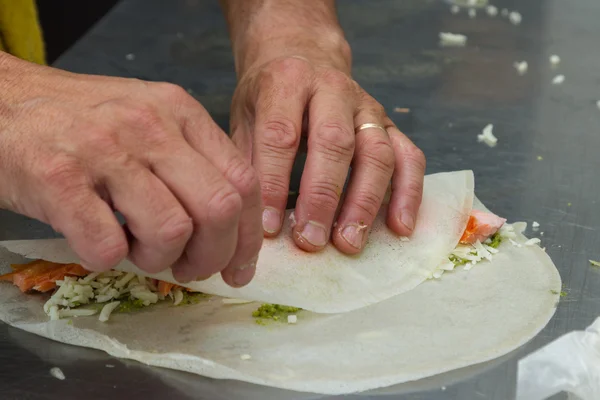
554 60
57 373
492 11
177 296
89 278
558 79
53 312
107 310
487 136
532 242
515 17
491 249
124 280
521 67
452 39
482 252
437 274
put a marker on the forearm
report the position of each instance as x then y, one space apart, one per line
266 29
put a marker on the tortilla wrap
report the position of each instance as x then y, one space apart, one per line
462 319
329 281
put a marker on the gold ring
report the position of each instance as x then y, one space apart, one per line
369 126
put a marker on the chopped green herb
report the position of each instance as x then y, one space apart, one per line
563 293
275 312
70 322
554 291
496 240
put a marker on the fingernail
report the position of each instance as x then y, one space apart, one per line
271 220
408 221
244 274
315 234
354 235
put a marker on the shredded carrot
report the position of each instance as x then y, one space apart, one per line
165 287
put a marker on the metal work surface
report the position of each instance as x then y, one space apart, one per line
543 169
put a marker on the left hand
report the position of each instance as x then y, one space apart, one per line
304 90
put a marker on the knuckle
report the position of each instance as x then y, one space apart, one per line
413 189
323 196
337 79
142 115
337 139
291 67
281 133
243 177
379 153
176 229
367 201
62 172
170 90
224 206
274 186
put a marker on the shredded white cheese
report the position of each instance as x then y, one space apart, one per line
472 13
404 239
535 225
558 79
130 57
492 11
292 319
455 9
554 60
515 18
487 136
57 373
452 39
521 67
245 357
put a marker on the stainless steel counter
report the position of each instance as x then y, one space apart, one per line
544 168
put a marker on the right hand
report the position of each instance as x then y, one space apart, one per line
73 148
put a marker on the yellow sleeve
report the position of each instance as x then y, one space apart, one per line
20 31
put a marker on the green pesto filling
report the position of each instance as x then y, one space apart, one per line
496 240
273 312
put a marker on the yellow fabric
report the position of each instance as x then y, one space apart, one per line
20 31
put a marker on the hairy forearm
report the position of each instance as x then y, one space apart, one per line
264 29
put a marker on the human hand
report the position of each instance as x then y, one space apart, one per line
73 148
297 82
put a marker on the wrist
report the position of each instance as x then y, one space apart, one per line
265 30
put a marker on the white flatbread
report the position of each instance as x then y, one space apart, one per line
329 281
